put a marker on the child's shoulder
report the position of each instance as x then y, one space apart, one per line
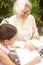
3 48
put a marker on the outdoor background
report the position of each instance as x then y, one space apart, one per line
6 10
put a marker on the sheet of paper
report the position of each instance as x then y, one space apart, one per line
25 55
37 43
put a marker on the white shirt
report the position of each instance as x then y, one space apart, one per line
26 29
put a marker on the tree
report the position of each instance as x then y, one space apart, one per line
6 8
41 4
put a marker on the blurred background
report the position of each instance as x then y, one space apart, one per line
6 10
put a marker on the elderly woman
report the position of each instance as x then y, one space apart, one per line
24 22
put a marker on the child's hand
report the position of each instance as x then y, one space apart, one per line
34 61
37 59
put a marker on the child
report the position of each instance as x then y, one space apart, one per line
8 35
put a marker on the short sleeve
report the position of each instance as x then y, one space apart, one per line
5 21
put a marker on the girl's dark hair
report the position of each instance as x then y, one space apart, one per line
7 31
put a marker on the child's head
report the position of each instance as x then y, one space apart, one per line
7 33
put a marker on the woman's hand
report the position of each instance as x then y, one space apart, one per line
31 47
36 37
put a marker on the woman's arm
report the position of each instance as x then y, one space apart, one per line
5 59
35 30
34 61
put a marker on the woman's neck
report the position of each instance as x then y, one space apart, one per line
20 18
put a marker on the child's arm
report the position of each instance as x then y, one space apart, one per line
13 59
5 59
34 61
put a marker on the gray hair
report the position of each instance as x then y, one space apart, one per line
19 6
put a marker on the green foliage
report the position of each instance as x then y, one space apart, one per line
36 8
37 11
6 7
6 3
